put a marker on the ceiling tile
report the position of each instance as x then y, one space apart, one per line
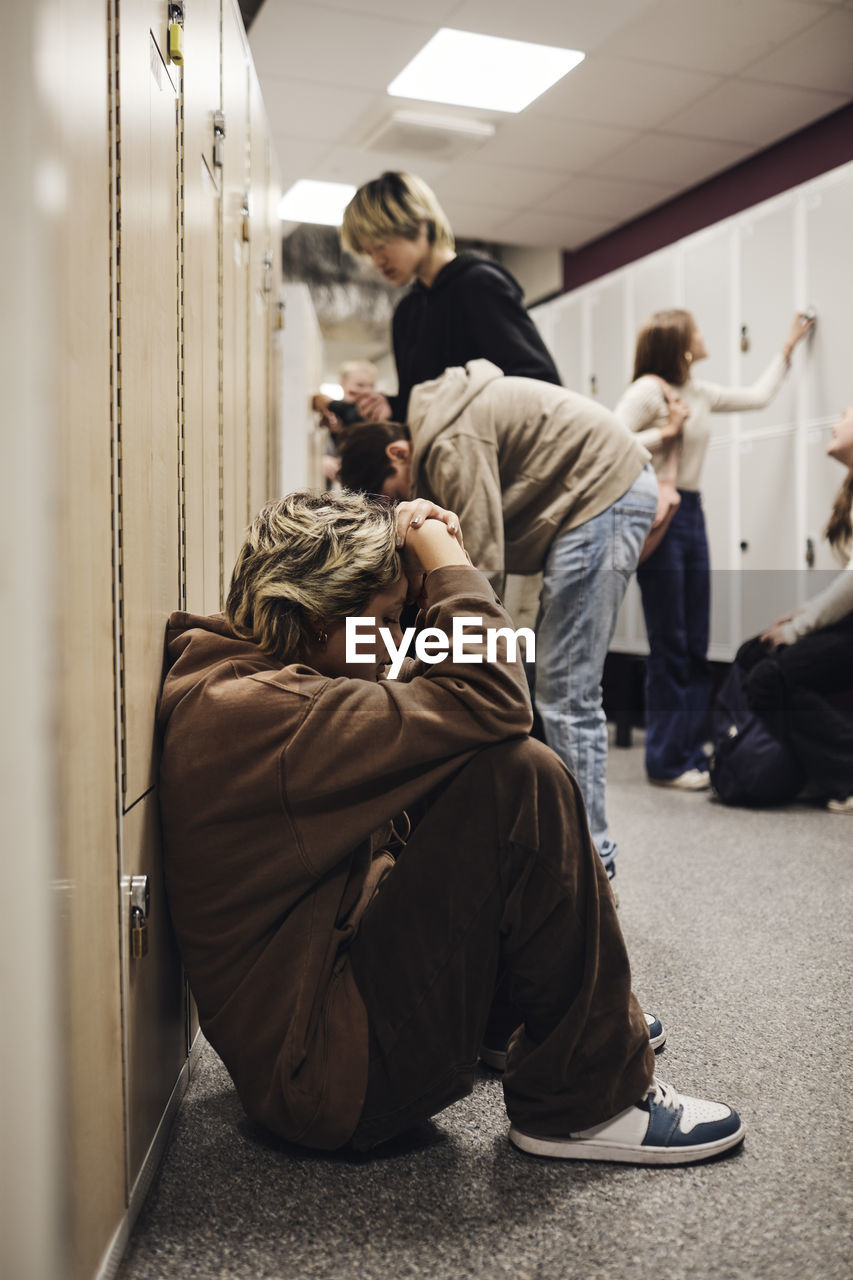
572 24
353 164
606 197
820 58
563 145
297 156
350 50
618 91
720 37
305 109
471 220
505 186
551 230
659 157
743 111
399 10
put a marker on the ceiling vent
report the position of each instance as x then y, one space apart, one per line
432 136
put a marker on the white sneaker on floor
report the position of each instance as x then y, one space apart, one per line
662 1128
840 806
690 780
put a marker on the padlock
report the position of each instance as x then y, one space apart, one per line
744 338
138 934
176 43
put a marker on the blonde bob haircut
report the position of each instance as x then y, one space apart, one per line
310 560
663 346
395 204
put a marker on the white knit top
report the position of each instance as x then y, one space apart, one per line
643 408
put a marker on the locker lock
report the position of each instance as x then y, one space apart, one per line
810 552
744 338
140 905
267 273
218 137
176 32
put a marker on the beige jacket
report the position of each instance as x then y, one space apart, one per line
518 460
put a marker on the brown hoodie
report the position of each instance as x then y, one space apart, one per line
277 787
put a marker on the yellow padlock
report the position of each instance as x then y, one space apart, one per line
176 43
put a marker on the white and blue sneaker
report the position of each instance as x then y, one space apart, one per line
494 1056
662 1128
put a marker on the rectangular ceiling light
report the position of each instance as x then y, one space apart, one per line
320 202
468 70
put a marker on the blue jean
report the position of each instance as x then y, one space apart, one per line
675 584
586 575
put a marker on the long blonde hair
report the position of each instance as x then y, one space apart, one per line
395 204
310 560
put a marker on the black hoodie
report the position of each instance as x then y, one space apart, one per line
472 310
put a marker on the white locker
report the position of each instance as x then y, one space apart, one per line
708 281
829 283
608 374
717 501
767 306
769 553
656 286
567 343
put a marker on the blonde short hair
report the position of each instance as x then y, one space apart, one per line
310 560
395 204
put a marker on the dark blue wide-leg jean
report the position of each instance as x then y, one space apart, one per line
675 583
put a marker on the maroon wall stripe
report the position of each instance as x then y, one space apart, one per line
821 146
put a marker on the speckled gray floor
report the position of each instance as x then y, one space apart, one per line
739 927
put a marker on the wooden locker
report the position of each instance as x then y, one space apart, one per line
201 392
260 294
148 433
148 416
708 264
767 306
235 286
829 287
155 1008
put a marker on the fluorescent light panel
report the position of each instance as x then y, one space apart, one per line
319 202
470 70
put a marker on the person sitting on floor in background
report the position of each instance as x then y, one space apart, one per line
543 480
357 377
346 991
795 686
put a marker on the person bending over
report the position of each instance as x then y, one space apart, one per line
795 686
357 378
347 991
543 480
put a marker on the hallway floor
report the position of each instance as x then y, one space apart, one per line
739 928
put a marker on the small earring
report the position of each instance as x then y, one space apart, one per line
688 356
322 639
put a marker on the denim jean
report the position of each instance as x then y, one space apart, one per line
586 575
675 584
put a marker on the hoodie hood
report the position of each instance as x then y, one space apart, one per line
434 405
195 645
449 275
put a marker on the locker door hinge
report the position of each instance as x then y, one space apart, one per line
176 32
218 138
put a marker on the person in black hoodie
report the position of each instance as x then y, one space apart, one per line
461 307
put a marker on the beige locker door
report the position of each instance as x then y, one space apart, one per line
260 282
201 213
768 525
767 306
829 285
568 344
608 372
235 286
148 323
148 510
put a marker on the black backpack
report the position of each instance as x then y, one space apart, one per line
749 766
